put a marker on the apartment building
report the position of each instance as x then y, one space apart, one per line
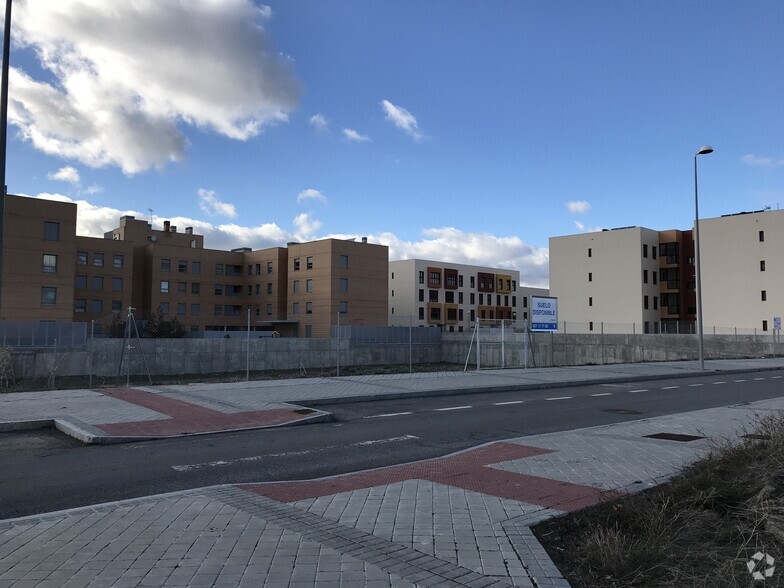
428 293
53 274
610 277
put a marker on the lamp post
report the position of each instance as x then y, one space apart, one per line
4 128
704 150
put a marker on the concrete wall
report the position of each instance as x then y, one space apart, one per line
172 357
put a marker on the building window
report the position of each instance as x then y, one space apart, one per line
655 302
344 262
269 287
309 285
460 298
514 285
645 302
589 252
269 310
471 298
196 288
182 287
460 316
250 289
97 283
80 305
181 308
164 286
460 281
497 299
645 250
196 267
296 264
344 284
653 251
421 295
269 267
51 231
117 284
81 258
308 330
98 259
762 265
164 308
218 310
422 277
449 297
590 301
295 287
165 265
308 308
590 326
590 277
481 298
764 295
435 279
433 295
343 306
97 306
472 315
421 313
762 236
218 289
118 261
50 264
219 269
81 282
258 269
670 251
195 309
764 325
182 266
473 282
250 269
655 276
295 308
309 265
644 276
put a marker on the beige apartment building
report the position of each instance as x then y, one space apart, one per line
453 296
52 274
614 278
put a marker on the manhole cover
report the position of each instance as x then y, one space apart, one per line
621 411
674 437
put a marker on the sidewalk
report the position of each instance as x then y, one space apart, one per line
459 520
134 414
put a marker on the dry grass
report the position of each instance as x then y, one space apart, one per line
698 530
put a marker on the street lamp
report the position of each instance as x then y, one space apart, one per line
4 128
704 150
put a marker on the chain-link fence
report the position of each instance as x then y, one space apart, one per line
153 349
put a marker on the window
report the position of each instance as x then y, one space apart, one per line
80 305
164 286
117 284
50 264
645 302
653 251
296 264
308 308
762 265
421 313
344 284
269 270
164 308
51 231
196 288
181 308
644 276
497 299
343 306
193 245
195 309
764 295
655 302
98 259
258 310
182 266
182 287
473 281
655 276
309 263
589 252
116 306
295 287
433 295
269 310
165 265
472 315
590 325
196 267
460 281
435 278
514 285
258 269
481 299
96 306
670 251
764 325
471 298
590 277
671 276
250 269
81 282
250 289
97 283
218 289
421 295
590 301
81 258
460 316
761 236
343 262
393 293
218 309
645 250
460 298
269 287
308 330
309 285
449 297
295 308
422 277
525 301
219 269
118 261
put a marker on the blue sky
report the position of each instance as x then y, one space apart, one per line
444 129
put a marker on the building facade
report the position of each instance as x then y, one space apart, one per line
427 293
52 274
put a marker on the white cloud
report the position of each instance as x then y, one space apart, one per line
445 244
319 122
311 194
354 136
94 189
578 206
209 203
65 174
581 227
402 119
755 161
125 76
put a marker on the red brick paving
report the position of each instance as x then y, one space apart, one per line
466 470
187 417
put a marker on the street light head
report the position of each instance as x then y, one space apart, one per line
704 150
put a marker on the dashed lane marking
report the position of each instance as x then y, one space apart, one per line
670 387
758 379
695 385
383 416
636 391
453 408
776 377
559 398
603 394
510 402
738 381
717 383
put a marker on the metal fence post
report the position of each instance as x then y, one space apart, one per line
602 324
410 347
338 347
503 349
92 344
247 351
478 347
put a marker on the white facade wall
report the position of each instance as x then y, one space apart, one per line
404 287
598 279
732 278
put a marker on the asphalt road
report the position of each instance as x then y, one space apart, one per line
42 471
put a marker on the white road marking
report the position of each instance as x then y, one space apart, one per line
559 398
635 391
758 379
510 402
211 464
670 387
695 385
382 416
776 377
736 381
453 408
603 394
716 383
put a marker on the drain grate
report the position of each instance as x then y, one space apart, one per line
674 437
621 411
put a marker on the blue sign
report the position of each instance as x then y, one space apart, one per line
544 313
